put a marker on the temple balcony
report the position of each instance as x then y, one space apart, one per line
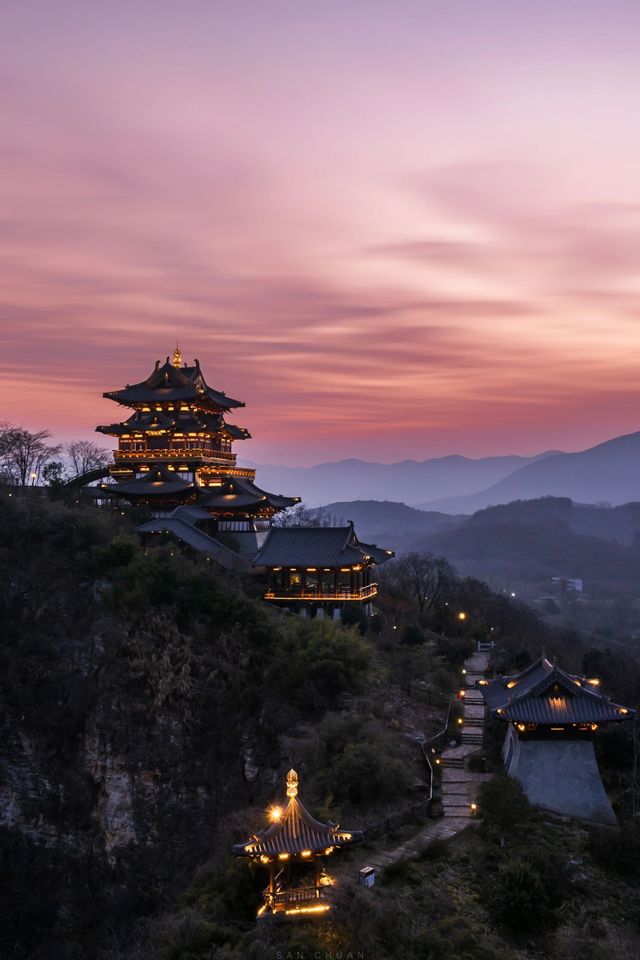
199 453
330 593
298 900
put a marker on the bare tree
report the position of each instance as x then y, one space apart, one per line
23 454
85 456
301 516
420 576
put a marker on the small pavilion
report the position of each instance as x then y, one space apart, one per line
552 719
294 848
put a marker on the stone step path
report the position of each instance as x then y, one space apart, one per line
458 786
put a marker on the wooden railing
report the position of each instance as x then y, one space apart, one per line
297 895
342 593
199 453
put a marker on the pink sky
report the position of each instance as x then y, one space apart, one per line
395 229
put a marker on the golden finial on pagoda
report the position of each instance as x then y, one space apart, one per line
292 784
177 357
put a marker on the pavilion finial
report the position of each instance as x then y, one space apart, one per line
292 784
177 357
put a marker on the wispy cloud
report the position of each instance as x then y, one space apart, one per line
290 203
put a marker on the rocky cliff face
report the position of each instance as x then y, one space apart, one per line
123 739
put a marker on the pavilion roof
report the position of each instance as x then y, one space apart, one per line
240 493
200 422
169 383
545 694
316 547
159 482
294 831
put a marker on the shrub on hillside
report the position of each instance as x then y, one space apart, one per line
503 806
370 771
314 662
413 635
521 900
615 850
116 554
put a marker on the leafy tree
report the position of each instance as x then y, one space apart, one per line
369 769
314 662
503 806
53 473
522 901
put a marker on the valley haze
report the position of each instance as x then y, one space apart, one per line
455 484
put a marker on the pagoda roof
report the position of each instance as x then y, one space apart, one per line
545 694
294 830
159 482
201 422
240 493
169 383
316 547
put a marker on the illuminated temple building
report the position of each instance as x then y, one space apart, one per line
175 456
552 719
316 571
294 848
175 453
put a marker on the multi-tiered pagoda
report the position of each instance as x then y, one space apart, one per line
175 456
175 450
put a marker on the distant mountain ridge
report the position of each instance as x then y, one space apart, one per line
608 472
524 541
408 481
392 525
605 473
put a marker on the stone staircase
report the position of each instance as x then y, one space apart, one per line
458 785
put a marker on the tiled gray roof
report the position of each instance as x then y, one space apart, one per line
546 694
159 482
240 493
312 547
169 383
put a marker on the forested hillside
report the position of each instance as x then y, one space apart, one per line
151 706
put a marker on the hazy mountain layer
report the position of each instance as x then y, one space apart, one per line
392 525
409 481
607 473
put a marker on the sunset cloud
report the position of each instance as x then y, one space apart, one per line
392 235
